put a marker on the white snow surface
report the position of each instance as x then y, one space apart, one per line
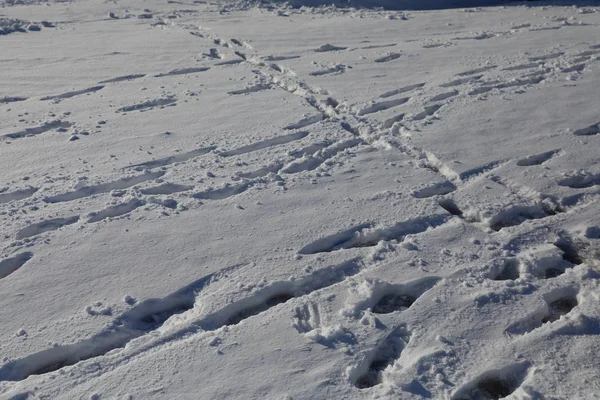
206 200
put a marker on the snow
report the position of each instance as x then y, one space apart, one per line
299 201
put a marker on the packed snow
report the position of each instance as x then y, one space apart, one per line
237 200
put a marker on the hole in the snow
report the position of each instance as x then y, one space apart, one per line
451 207
494 388
509 271
386 354
393 302
552 273
570 252
559 308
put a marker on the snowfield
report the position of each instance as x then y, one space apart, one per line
205 200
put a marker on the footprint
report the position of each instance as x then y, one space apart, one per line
45 226
509 270
546 57
495 384
385 354
365 235
166 188
477 70
11 264
336 69
461 81
17 195
183 71
401 90
11 99
581 180
400 297
306 122
149 105
593 129
328 47
124 78
68 95
250 89
38 130
382 105
119 184
264 144
115 211
537 159
435 190
389 57
559 303
162 162
279 293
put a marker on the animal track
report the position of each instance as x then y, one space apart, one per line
537 159
148 105
119 184
382 105
10 265
17 195
162 162
365 236
38 130
183 71
115 211
264 144
45 226
593 129
68 95
384 355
